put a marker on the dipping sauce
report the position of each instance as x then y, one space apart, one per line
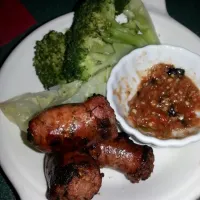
166 104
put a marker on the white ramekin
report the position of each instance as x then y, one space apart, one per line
126 76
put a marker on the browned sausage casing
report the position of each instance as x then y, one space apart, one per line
122 154
93 120
71 176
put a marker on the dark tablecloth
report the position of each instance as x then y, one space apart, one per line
184 11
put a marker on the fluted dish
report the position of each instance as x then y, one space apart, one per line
127 75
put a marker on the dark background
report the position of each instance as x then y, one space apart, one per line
184 11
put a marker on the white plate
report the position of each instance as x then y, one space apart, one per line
177 171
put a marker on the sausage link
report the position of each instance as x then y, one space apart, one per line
93 120
122 154
71 176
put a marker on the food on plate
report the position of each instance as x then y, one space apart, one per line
49 58
135 161
22 108
102 32
75 173
71 176
72 166
93 120
98 40
74 131
166 104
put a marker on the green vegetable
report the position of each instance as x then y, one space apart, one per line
96 84
79 62
98 41
49 57
21 109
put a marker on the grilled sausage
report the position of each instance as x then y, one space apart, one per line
71 176
122 154
93 120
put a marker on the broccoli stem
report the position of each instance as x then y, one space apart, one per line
150 37
104 49
127 38
125 29
131 25
142 23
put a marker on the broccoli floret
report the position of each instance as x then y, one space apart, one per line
86 48
99 41
49 57
137 31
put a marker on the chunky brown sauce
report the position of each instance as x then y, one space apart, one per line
166 103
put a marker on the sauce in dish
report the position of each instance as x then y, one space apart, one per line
166 104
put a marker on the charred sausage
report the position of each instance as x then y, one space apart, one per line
93 120
71 176
122 154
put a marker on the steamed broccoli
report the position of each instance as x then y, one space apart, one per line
99 41
49 57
